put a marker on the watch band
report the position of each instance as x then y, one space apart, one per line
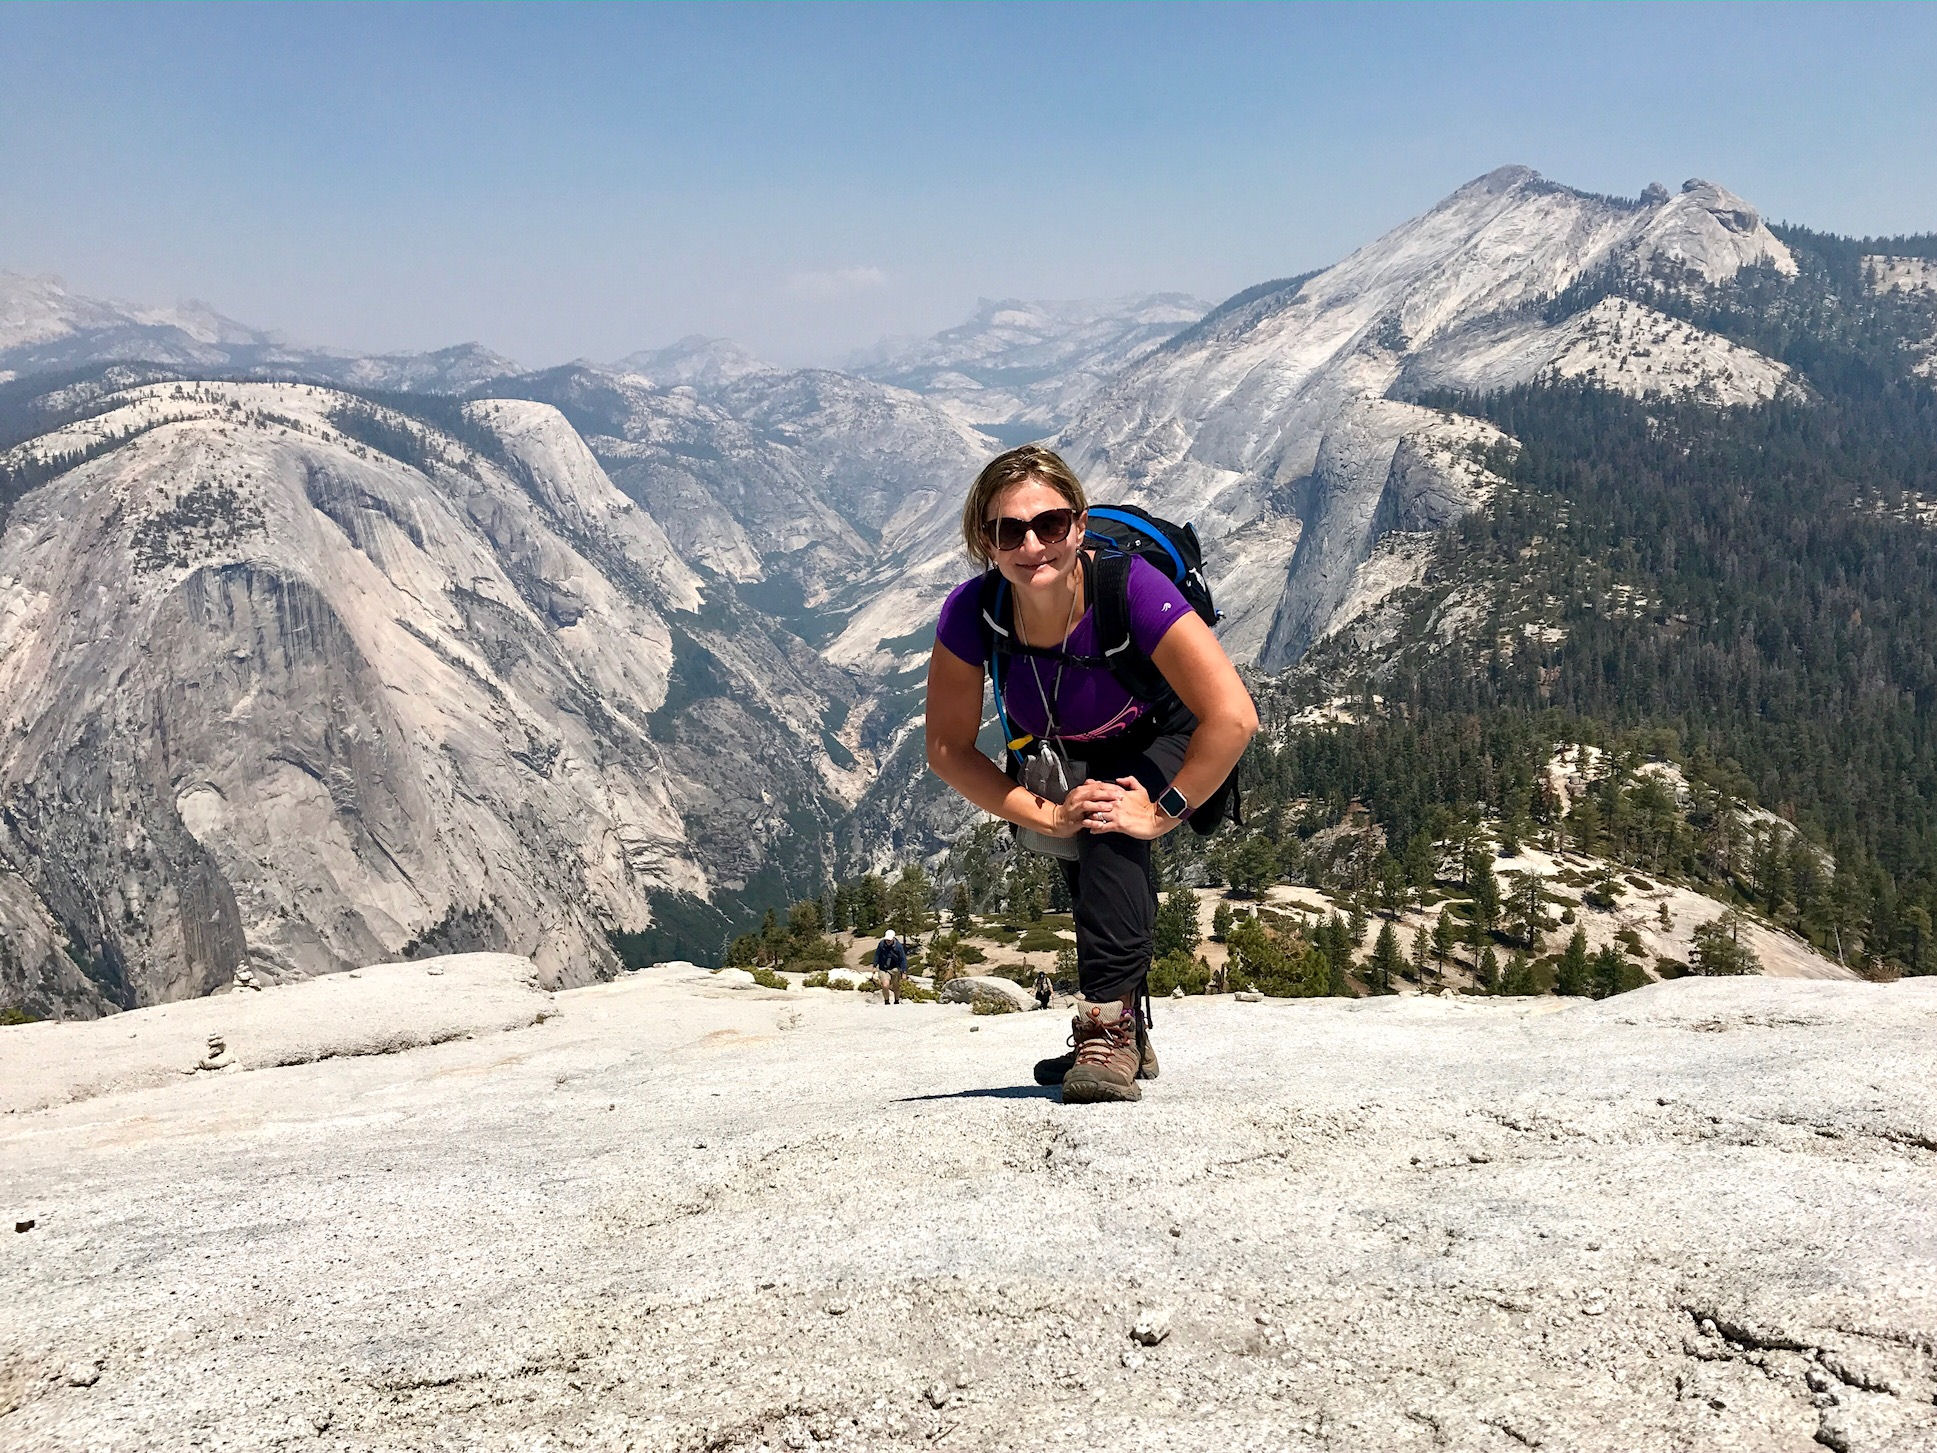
1172 803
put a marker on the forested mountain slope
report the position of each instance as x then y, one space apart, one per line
1751 591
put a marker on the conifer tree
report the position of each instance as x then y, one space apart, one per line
1221 922
1444 937
1518 979
1527 901
1718 947
1486 890
1488 973
1386 958
1176 926
1608 971
1573 975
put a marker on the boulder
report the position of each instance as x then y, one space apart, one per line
974 989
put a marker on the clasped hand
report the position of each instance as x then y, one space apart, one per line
1121 806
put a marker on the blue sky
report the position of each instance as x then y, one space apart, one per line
561 181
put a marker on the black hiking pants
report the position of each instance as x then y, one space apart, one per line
1112 890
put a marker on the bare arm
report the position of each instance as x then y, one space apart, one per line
1204 679
954 716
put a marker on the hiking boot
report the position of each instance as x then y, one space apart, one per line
1053 1070
1107 1057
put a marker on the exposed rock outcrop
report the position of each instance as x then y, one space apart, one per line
1273 419
1693 1216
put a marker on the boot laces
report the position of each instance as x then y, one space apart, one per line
1103 1041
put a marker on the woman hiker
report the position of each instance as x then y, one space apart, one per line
1139 766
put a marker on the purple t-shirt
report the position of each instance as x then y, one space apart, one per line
1090 704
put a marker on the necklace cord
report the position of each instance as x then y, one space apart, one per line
1062 657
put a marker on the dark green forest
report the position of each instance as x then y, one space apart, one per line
1748 592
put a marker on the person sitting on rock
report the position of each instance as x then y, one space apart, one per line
1144 764
890 963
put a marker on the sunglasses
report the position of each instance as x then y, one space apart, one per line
1051 527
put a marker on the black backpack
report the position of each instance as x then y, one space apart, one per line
1119 534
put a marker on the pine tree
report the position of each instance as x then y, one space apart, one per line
1572 975
961 910
910 911
1584 823
1488 972
1527 901
1444 937
870 904
1420 860
1486 890
1221 922
1421 946
1718 947
1386 958
1176 926
1519 978
1393 887
1608 972
1919 950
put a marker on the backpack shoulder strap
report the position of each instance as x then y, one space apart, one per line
996 615
1134 671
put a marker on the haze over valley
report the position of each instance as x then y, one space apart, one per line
311 659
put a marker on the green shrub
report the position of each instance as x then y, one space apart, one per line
915 994
1015 974
993 1006
1041 939
14 1014
1178 970
768 979
815 980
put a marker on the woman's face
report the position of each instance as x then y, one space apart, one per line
1033 564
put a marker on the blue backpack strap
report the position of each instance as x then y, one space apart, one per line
1142 525
997 619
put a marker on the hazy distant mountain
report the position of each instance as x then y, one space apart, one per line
44 328
1022 369
695 360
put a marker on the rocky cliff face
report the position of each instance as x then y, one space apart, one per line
1272 423
277 696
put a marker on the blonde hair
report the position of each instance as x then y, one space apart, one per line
1005 472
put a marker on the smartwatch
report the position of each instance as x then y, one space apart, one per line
1173 803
